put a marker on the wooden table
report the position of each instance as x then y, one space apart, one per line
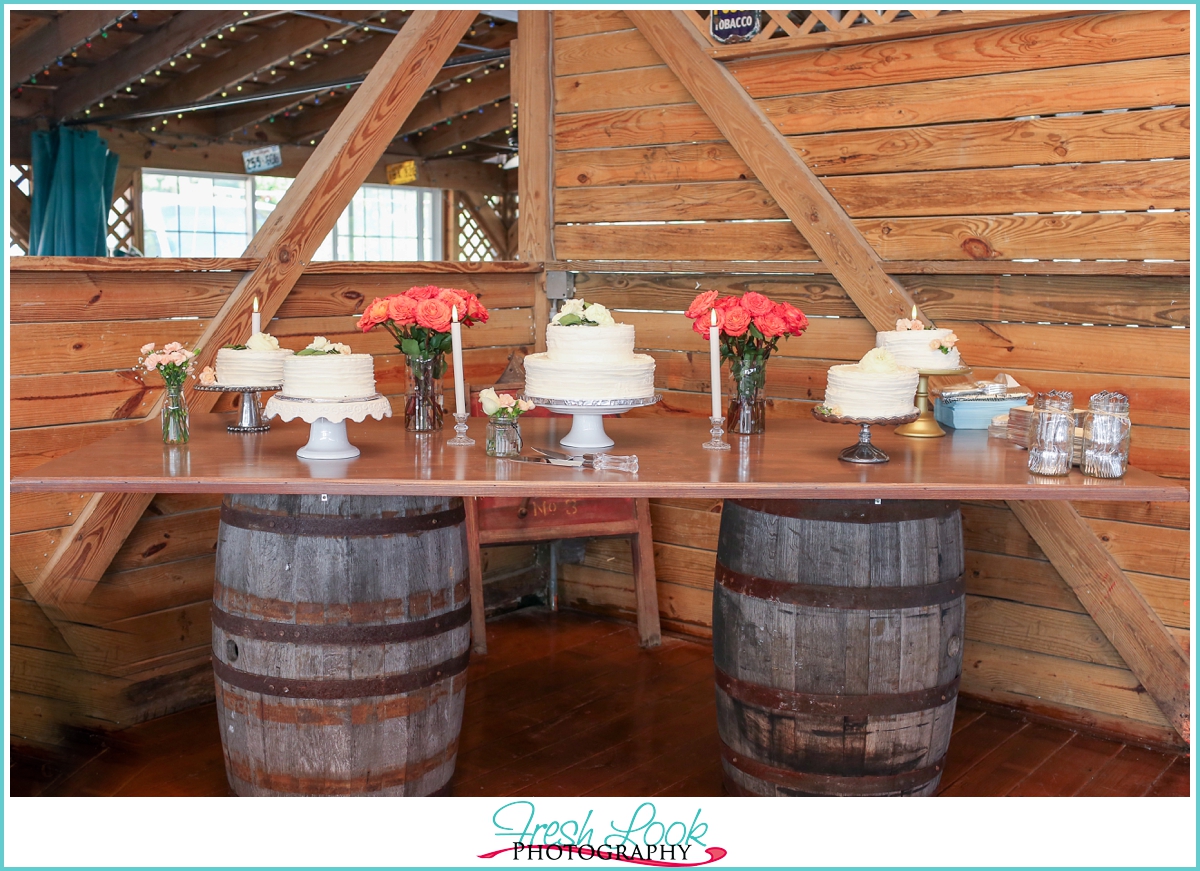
795 459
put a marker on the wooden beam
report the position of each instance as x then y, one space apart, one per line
435 108
55 39
533 94
19 214
270 47
1123 615
142 57
440 142
817 215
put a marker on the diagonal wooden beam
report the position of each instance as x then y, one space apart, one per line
467 97
55 39
272 46
285 243
1123 615
493 117
142 57
822 222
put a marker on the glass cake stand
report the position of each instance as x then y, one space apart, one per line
587 428
925 426
327 439
864 452
250 417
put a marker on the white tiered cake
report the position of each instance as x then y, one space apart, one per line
589 362
259 364
875 387
920 348
334 374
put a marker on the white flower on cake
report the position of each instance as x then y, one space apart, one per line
598 315
569 307
576 312
262 342
321 345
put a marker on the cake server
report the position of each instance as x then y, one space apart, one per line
600 462
576 462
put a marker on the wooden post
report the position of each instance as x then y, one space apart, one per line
475 573
820 219
1123 615
645 582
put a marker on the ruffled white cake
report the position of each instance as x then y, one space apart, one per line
876 386
259 364
589 363
914 348
329 376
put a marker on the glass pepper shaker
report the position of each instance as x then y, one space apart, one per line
1106 436
1052 433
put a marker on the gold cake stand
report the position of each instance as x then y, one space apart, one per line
926 426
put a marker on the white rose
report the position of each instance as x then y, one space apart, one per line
339 347
319 343
598 315
569 307
489 400
262 342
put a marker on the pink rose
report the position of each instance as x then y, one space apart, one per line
701 304
756 304
374 314
475 309
146 348
737 321
797 323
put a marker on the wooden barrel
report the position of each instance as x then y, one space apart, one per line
837 635
340 643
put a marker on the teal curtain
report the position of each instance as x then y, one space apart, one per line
73 178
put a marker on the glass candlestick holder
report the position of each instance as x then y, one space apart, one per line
460 432
717 443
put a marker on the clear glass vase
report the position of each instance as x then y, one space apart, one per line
175 417
503 437
423 410
747 413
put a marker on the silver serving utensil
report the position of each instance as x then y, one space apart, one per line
599 462
576 462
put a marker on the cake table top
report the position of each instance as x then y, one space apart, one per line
794 459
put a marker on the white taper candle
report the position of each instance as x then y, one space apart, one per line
255 319
714 362
460 400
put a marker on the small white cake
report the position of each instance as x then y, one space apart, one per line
875 387
332 373
259 364
920 349
586 362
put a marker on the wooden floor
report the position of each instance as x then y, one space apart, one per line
567 704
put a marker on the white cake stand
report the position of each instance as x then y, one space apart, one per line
327 439
587 428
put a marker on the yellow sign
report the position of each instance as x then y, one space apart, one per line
402 173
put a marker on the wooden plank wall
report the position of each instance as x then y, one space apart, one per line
141 648
1064 141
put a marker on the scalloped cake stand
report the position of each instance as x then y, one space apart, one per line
327 439
250 417
864 452
587 427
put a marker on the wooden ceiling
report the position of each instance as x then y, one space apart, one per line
187 75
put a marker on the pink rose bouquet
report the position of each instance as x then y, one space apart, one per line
173 362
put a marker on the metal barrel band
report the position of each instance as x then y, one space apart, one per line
346 633
850 510
857 706
375 611
832 784
336 688
334 526
841 598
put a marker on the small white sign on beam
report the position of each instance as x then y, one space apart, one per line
262 159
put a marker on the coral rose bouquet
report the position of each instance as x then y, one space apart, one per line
419 320
174 364
750 328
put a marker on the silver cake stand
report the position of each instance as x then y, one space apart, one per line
327 439
587 428
250 417
864 452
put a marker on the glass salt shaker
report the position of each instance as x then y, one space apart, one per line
1106 436
1051 433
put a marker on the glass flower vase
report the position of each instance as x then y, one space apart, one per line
175 417
747 413
503 437
423 410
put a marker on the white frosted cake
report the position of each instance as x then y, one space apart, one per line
259 364
876 386
589 362
920 348
333 373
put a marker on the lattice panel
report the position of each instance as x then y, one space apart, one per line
20 174
473 242
122 220
780 25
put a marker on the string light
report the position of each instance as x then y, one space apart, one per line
345 41
325 45
143 80
172 63
308 54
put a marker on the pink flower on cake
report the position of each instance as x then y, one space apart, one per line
737 321
208 376
701 304
905 324
756 304
944 344
401 310
703 323
433 314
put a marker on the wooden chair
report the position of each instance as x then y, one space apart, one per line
496 520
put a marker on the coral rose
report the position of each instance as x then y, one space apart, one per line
454 299
433 314
727 302
703 324
429 291
401 310
771 325
375 313
737 321
701 304
797 323
475 309
756 304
